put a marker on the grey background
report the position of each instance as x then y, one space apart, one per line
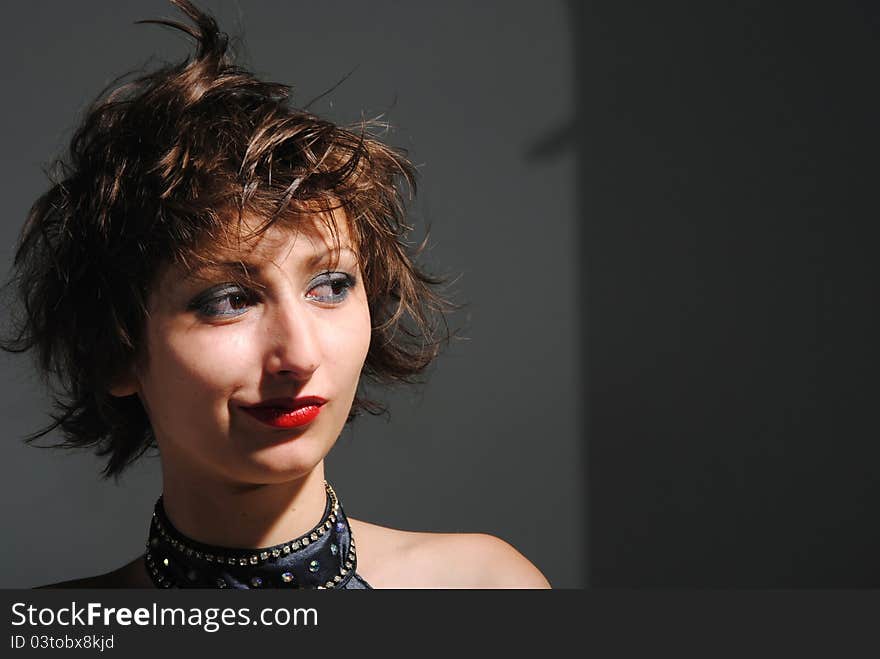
728 190
476 92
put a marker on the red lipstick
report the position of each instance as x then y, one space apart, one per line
287 412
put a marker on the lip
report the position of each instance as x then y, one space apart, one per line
286 412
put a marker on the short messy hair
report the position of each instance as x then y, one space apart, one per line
161 171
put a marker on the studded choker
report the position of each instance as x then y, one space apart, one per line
322 558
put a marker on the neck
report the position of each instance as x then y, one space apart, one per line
242 515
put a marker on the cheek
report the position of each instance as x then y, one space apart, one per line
189 365
346 344
361 334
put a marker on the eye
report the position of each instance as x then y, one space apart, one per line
225 301
332 287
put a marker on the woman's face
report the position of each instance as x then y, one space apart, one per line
216 348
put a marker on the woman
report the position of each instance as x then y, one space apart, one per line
211 275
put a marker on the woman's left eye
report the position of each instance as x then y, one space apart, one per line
333 287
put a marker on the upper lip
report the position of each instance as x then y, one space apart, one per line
288 403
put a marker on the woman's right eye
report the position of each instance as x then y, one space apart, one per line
227 302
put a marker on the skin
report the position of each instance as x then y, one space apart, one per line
230 480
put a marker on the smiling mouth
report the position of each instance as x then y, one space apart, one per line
287 415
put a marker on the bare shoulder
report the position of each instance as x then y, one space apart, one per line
482 561
392 558
131 575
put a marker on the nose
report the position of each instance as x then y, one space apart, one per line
294 345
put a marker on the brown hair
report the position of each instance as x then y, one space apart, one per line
157 173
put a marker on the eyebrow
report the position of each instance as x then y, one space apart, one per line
255 267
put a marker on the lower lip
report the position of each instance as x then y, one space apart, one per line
278 418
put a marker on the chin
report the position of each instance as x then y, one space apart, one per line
258 473
282 462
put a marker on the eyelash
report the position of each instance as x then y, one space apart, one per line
206 305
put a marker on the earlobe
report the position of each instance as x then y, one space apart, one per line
124 386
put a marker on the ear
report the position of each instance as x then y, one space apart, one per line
124 385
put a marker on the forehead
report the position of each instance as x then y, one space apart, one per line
246 245
306 232
279 241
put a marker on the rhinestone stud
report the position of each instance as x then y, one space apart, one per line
287 577
256 582
254 560
313 566
334 549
